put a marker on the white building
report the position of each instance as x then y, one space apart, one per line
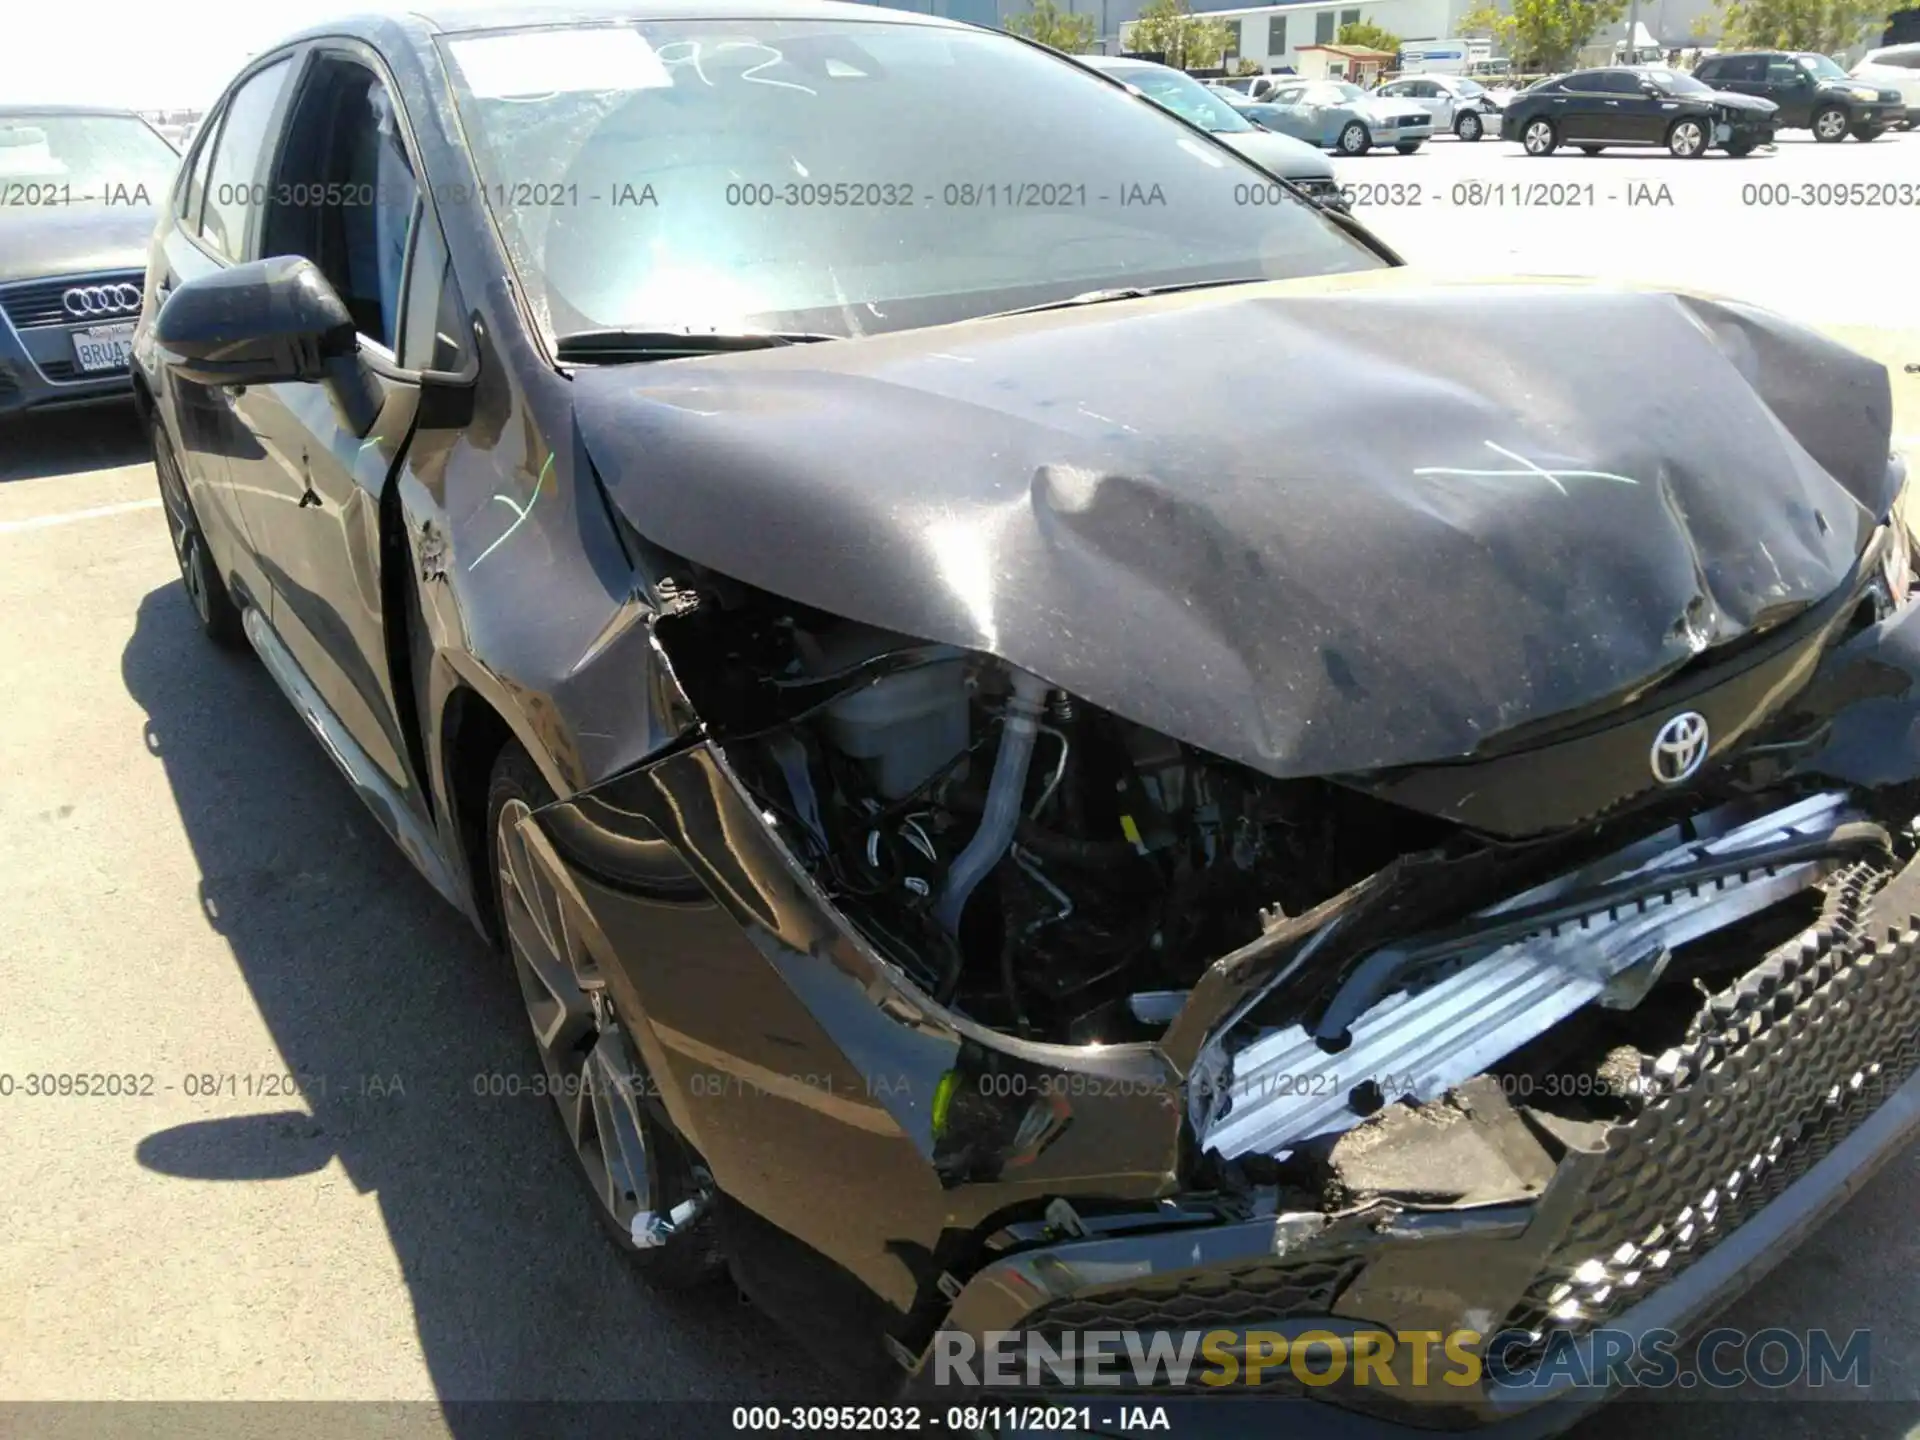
1272 35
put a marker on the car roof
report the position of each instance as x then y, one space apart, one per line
400 22
507 14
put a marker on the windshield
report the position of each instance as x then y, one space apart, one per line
1676 82
1469 88
1334 92
83 160
844 177
1821 66
1187 98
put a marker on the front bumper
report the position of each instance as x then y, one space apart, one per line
1806 1079
38 369
1879 115
1402 134
1743 128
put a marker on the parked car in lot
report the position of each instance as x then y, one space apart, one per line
1456 103
904 649
1336 115
1300 164
1637 106
1813 92
1894 67
77 195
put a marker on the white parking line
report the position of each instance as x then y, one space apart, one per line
70 517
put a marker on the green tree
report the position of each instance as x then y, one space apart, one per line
1365 32
1170 28
1821 25
1543 34
1047 23
1245 65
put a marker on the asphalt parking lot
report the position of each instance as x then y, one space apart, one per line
196 898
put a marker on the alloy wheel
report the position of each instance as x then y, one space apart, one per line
1829 125
1689 138
1469 127
1539 138
593 1074
1354 139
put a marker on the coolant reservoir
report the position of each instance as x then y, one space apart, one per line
904 728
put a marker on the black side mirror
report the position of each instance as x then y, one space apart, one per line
269 322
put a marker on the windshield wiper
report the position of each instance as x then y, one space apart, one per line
674 344
1123 292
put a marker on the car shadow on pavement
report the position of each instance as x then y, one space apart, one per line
403 1026
71 442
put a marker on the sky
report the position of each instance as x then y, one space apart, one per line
163 53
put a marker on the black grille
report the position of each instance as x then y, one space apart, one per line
37 302
1204 1300
1781 1068
59 369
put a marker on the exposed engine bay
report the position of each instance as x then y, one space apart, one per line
1060 874
1050 869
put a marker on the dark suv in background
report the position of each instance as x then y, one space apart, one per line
77 191
1812 91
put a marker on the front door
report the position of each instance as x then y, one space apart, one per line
312 494
1791 88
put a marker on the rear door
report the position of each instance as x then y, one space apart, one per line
1580 109
344 193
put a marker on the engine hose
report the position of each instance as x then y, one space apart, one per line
1019 727
1050 844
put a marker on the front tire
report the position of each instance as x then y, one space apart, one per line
1407 147
1740 149
1688 138
1591 149
1468 127
1829 125
1539 138
1867 133
1354 139
625 1146
213 603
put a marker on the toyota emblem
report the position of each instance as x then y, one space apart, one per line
89 302
1679 748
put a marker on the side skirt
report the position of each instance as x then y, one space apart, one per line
379 796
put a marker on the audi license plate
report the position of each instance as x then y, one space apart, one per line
103 347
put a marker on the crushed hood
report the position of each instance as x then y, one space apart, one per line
1314 528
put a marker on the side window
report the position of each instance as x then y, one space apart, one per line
231 177
1615 82
349 193
435 320
1783 72
193 181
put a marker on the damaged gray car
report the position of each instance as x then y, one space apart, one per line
1051 750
